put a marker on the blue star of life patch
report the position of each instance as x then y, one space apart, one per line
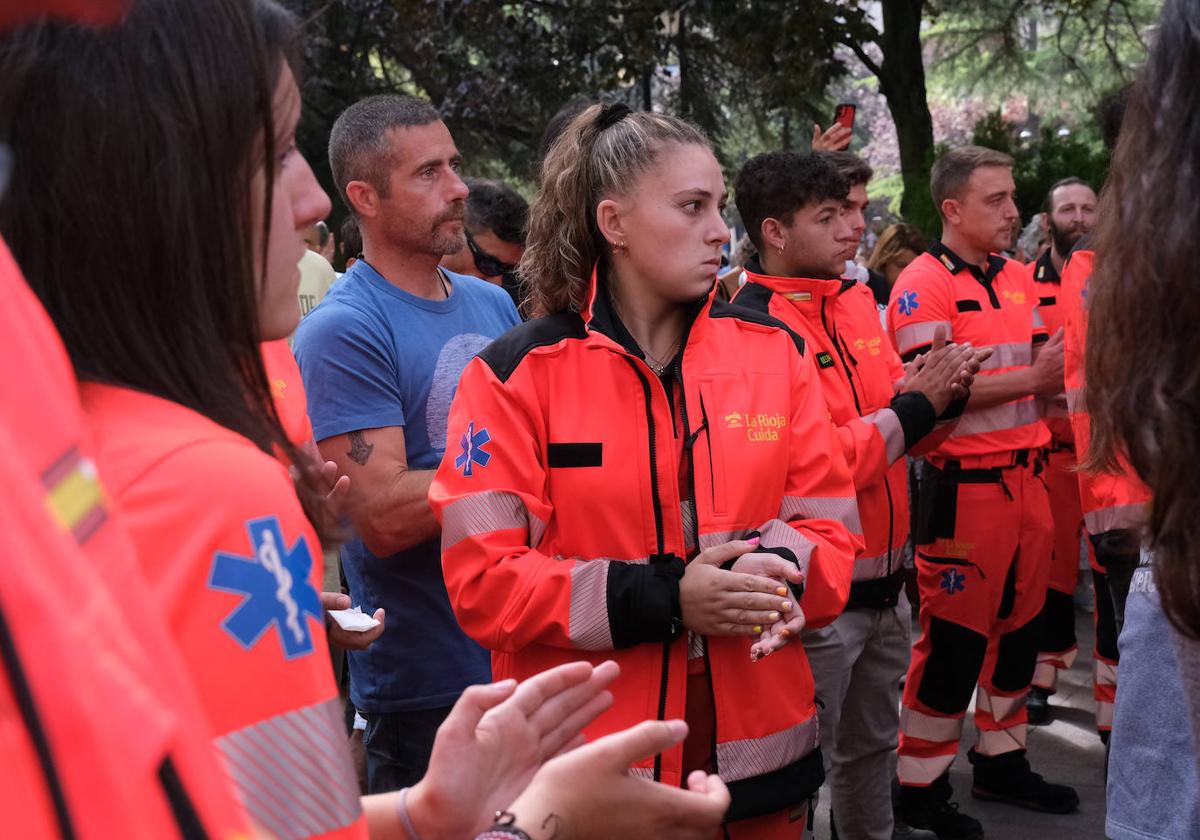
472 451
953 582
274 583
908 302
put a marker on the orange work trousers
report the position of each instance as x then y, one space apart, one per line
983 539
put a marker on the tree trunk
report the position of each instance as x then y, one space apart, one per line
902 82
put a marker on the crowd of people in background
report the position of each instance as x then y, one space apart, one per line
571 517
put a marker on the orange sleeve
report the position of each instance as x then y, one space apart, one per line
818 519
921 302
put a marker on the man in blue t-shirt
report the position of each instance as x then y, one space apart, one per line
381 358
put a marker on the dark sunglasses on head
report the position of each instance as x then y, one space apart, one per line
488 265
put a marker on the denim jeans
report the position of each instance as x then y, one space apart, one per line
398 745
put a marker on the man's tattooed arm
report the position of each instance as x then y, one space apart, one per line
360 450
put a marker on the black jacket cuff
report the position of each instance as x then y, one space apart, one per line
643 601
916 415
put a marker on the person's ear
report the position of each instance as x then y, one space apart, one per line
952 210
611 224
774 235
364 198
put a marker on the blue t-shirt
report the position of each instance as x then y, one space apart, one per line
372 355
1153 791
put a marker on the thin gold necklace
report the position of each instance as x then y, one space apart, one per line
657 365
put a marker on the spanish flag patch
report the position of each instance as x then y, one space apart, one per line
74 497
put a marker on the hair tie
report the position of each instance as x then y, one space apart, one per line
612 114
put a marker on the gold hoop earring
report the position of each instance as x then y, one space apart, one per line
620 247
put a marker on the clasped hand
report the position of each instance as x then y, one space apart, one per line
750 599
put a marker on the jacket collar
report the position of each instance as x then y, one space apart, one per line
600 316
805 293
1044 271
955 263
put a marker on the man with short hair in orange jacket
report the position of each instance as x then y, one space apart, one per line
983 529
1114 505
795 210
1070 209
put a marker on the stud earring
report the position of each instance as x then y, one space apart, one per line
780 250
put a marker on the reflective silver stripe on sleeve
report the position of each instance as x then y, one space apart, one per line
1117 517
587 623
1038 323
917 335
292 772
777 534
1075 402
888 425
485 512
752 757
837 508
1018 354
716 538
1007 416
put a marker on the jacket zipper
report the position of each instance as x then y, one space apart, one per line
661 541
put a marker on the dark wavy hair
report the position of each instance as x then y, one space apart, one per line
777 184
1143 380
130 208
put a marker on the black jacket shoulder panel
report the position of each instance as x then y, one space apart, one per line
505 353
754 296
752 314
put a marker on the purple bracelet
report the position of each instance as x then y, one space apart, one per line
402 812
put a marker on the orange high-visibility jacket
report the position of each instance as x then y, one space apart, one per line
1110 502
101 732
1049 289
564 534
236 570
859 371
996 308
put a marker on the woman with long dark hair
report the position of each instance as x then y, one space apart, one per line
155 205
1143 396
640 473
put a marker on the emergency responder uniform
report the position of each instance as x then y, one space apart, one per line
236 566
983 537
1114 506
582 482
858 660
101 731
1057 648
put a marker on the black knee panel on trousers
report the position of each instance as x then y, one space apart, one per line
1106 626
952 667
1016 656
1058 622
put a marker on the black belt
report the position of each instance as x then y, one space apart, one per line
991 475
878 594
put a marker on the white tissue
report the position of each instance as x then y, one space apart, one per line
353 619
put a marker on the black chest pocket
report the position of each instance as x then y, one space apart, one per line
968 306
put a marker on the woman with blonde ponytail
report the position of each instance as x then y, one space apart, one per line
648 475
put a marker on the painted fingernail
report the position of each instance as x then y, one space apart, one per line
773 617
781 590
754 540
785 606
785 632
758 629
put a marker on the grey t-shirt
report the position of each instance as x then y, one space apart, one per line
1153 787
